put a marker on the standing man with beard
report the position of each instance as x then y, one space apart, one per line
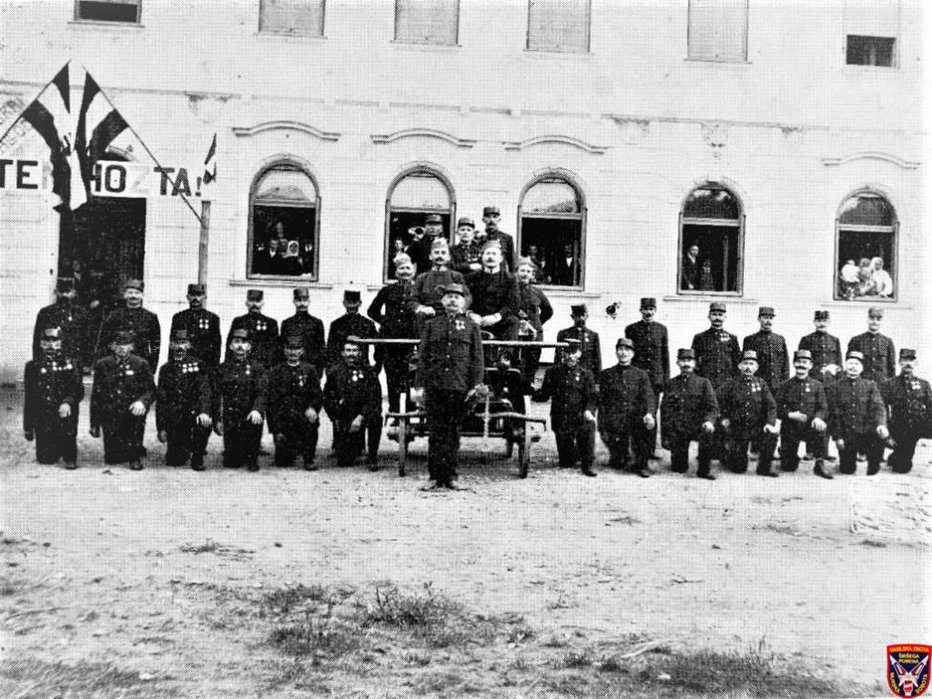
651 353
262 330
909 402
141 323
491 217
70 318
202 327
772 356
306 326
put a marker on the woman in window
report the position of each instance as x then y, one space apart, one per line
883 283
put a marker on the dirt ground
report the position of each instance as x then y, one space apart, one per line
155 576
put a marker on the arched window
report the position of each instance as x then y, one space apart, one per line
711 242
413 198
284 223
865 248
551 221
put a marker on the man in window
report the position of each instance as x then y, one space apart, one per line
691 269
879 362
307 326
566 268
491 217
494 295
419 249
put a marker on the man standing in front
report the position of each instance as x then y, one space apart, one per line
449 371
651 353
909 402
306 326
772 356
534 310
202 326
749 412
689 412
824 348
71 320
491 217
627 409
803 411
857 417
588 340
350 323
878 350
494 295
142 323
717 350
262 330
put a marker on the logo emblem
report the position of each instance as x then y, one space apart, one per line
908 669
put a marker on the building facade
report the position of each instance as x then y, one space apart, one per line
780 143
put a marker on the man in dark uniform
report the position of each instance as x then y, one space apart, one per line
627 410
123 391
449 372
588 340
183 402
262 330
350 323
53 393
308 327
426 300
202 326
857 417
717 351
534 310
239 403
353 399
419 249
748 411
574 400
689 412
651 353
772 356
293 406
70 318
466 254
491 217
141 322
802 409
494 295
909 402
878 350
825 350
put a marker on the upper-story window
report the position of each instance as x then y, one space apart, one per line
427 21
711 241
718 30
125 11
871 31
558 25
298 17
866 245
551 231
418 209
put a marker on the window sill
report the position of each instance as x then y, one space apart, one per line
556 54
856 68
424 46
279 282
90 24
720 61
710 297
869 300
288 36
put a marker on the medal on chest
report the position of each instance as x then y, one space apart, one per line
202 323
459 324
724 337
355 376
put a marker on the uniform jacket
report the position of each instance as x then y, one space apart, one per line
419 252
571 391
534 306
462 256
717 355
183 392
344 326
495 292
203 328
855 407
291 391
427 293
909 402
748 403
73 321
591 357
48 383
145 327
263 336
397 318
312 330
805 395
825 348
879 355
688 401
241 387
352 391
450 356
772 357
651 350
624 393
119 384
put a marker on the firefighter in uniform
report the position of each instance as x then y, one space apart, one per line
202 326
53 393
293 406
689 412
308 327
824 348
802 409
574 400
878 350
428 286
353 399
772 356
262 330
588 340
651 353
183 402
123 391
494 292
748 411
491 215
350 323
466 254
449 373
239 403
627 409
909 402
141 322
70 318
857 417
717 351
534 310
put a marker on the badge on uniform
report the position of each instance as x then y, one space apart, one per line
755 388
261 326
808 389
724 337
202 324
43 370
914 385
129 372
301 381
460 325
247 370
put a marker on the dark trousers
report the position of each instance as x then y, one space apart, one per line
531 356
576 444
186 440
57 438
679 452
446 411
791 435
241 441
901 458
866 443
736 449
348 445
397 370
297 440
629 447
123 438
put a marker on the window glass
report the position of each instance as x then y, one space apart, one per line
866 248
711 240
413 199
304 17
558 25
427 21
718 30
551 232
871 30
283 215
108 10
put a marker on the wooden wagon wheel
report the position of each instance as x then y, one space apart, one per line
524 453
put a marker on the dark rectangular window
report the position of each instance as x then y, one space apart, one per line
870 51
125 11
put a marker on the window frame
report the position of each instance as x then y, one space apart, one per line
398 179
554 49
279 32
294 165
136 22
715 59
894 233
739 223
848 31
582 217
413 42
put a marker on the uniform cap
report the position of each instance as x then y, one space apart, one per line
821 315
197 289
53 333
351 296
875 312
648 302
624 342
717 306
302 292
802 354
465 221
294 341
433 218
123 337
180 335
854 354
489 210
453 288
907 353
749 354
133 284
765 312
254 295
685 353
64 284
578 309
241 333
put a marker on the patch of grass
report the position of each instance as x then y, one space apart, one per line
395 608
209 546
284 600
574 659
520 631
321 636
7 587
32 677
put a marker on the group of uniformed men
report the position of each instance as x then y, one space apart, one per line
726 397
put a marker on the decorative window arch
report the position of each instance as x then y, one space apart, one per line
865 248
552 229
413 196
284 223
711 242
